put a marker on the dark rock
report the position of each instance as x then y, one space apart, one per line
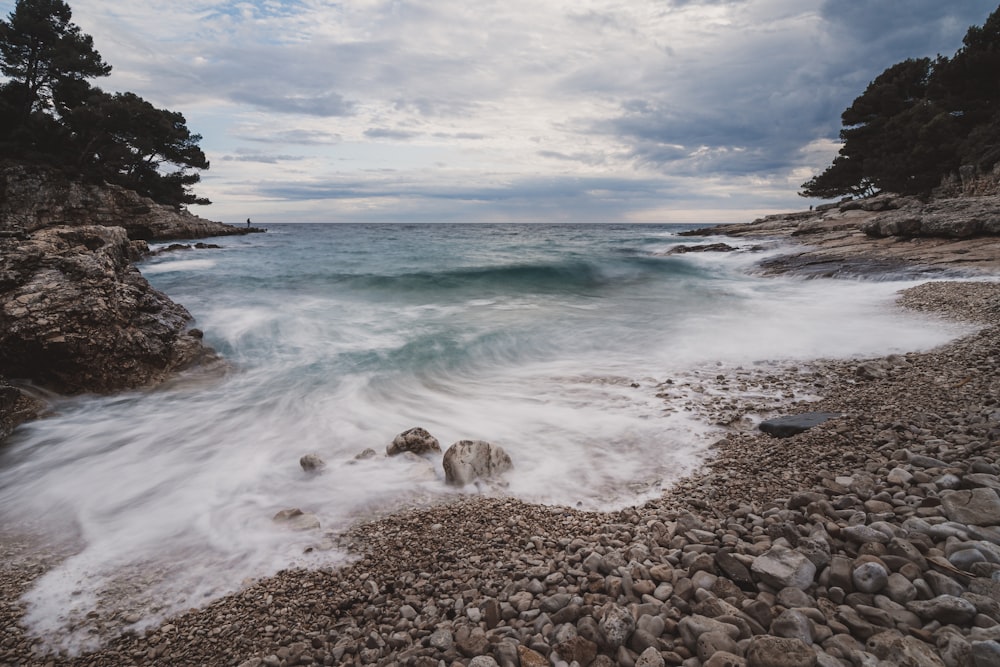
78 317
416 440
711 247
786 427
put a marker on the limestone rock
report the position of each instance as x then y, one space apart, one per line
78 317
770 651
782 567
979 507
468 460
416 440
896 650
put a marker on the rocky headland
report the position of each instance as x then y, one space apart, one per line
883 234
75 314
870 539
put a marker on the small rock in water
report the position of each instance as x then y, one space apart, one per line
416 440
468 460
296 519
312 463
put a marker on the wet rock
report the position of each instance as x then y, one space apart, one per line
468 460
416 440
786 427
312 463
296 519
870 577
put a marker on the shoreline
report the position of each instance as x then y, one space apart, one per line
482 553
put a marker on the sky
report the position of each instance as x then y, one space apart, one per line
685 111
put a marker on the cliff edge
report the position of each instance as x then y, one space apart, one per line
75 315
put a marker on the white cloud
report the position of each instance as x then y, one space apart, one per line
383 109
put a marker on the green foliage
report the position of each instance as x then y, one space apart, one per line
920 120
49 111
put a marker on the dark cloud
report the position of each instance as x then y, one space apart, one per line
386 133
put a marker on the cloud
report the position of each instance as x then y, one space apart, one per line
517 109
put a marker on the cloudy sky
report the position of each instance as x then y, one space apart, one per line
521 110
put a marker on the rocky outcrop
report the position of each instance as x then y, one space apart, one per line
878 235
416 440
34 197
960 218
469 460
76 316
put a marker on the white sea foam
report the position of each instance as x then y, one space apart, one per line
178 265
171 492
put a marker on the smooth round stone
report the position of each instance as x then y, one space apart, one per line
793 624
964 558
870 577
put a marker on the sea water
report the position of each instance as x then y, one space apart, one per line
548 340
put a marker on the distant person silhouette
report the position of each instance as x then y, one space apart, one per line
248 223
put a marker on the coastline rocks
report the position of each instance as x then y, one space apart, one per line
76 316
782 567
468 460
710 247
786 427
416 440
34 197
954 218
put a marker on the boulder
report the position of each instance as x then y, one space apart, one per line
416 440
770 651
786 427
468 460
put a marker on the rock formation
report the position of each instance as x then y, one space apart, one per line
469 460
416 440
33 198
75 315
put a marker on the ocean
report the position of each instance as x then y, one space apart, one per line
551 341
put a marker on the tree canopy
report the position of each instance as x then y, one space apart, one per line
920 120
50 112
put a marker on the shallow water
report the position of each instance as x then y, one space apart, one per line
548 340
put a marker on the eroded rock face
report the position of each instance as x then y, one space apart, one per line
76 316
32 198
468 460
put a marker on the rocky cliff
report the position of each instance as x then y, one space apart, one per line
75 315
33 197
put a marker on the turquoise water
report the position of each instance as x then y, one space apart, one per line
548 340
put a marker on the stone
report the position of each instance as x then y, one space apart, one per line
770 651
483 661
709 643
579 649
724 659
312 463
979 506
617 625
468 460
899 476
416 440
793 624
530 658
296 519
985 653
786 427
694 626
870 577
781 567
896 650
946 609
650 658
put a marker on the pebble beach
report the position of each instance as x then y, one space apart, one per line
872 539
